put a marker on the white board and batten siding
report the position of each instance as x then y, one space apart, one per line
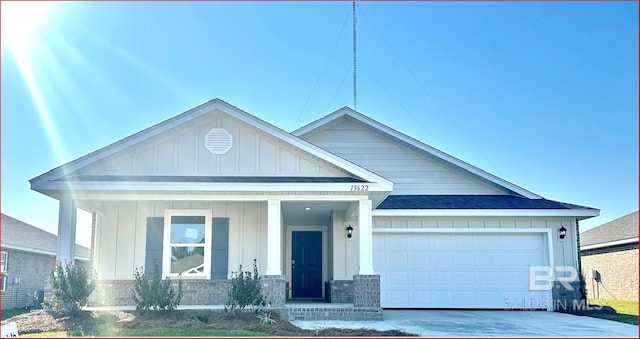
121 233
411 171
427 262
182 151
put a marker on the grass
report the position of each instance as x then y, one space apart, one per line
6 314
150 332
626 310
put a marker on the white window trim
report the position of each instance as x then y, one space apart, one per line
4 271
6 258
166 244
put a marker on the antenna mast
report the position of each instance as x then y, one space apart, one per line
355 69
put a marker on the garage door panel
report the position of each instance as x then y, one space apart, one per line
464 258
436 242
420 297
420 280
397 259
398 278
464 278
440 259
462 243
419 259
399 242
456 270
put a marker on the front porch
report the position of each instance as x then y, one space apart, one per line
334 282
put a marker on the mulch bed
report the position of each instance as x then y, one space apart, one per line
43 321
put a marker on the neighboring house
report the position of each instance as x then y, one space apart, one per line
610 259
28 255
222 187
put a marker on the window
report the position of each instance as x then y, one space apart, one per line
3 269
187 244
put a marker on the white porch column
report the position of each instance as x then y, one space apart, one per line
274 236
67 230
366 238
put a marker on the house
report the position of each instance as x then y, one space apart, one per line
28 255
610 259
344 209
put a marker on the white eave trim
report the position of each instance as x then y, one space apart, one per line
484 213
609 244
212 187
418 144
34 250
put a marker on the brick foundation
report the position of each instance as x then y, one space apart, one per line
340 291
366 291
195 292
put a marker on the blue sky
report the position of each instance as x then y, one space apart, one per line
544 95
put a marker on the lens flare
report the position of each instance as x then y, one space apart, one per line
21 22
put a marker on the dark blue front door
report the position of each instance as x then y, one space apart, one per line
306 265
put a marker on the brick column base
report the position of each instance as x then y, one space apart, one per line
568 300
366 291
273 290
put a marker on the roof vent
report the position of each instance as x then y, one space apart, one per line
218 141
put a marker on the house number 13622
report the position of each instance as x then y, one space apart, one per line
360 188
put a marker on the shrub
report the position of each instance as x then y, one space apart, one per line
245 290
71 288
155 295
200 316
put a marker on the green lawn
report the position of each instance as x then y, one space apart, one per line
626 310
150 332
6 314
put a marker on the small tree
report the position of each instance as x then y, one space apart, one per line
71 287
155 295
245 290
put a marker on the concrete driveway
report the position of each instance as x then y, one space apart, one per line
448 323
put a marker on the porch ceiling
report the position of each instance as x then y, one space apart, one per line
295 213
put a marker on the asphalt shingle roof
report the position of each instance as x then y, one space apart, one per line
471 202
19 233
623 228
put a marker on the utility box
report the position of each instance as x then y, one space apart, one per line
38 299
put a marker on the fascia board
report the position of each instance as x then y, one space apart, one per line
610 243
205 186
486 213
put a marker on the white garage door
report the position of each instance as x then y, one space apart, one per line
458 270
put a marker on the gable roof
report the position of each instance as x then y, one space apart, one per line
47 181
616 232
19 235
443 157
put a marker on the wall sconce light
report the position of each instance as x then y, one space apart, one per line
562 232
349 231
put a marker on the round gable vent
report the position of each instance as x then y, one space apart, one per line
218 141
